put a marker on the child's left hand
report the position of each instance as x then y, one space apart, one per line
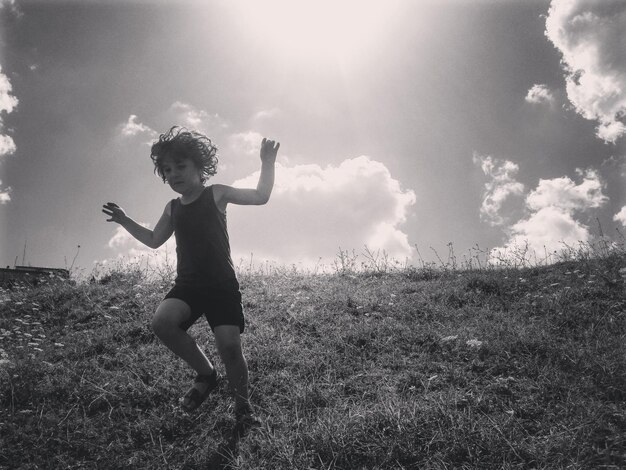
269 149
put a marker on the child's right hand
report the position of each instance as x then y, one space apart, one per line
114 211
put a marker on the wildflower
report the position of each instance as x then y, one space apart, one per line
474 343
5 363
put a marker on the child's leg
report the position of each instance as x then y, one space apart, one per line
166 322
228 342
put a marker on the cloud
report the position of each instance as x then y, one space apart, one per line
248 143
123 240
128 248
5 194
567 195
11 5
500 188
314 211
540 94
590 36
7 145
621 217
551 220
8 103
133 128
189 116
266 114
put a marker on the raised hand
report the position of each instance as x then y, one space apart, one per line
269 149
115 212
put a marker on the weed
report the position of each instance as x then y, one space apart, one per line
373 365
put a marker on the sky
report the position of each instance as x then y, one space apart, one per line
406 127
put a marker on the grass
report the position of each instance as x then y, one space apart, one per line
379 368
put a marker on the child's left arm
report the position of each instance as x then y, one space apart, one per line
227 194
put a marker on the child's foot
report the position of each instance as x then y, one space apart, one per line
202 387
244 421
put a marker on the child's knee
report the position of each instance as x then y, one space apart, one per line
158 325
170 316
162 325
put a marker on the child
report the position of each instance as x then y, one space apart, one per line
206 282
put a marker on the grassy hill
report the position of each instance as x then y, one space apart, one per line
414 368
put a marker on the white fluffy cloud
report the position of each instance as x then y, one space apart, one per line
591 36
8 102
247 143
621 217
127 248
539 94
189 116
266 113
5 194
180 114
567 195
501 186
7 145
132 128
313 212
551 221
316 210
9 4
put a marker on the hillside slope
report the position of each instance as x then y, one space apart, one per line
413 369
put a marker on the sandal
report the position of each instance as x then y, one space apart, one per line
193 398
245 420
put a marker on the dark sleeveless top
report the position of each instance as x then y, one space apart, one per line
202 245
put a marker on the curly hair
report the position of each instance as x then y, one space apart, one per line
180 143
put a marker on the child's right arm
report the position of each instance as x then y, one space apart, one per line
152 238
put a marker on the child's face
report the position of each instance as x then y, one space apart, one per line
181 174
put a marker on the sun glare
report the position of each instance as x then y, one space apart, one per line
317 31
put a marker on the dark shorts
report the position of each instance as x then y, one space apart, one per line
219 306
